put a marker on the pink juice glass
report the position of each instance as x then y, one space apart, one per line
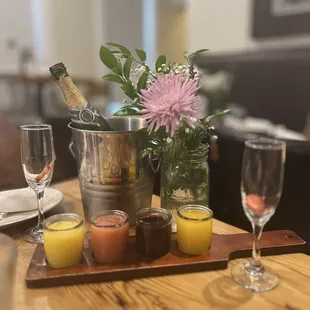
109 236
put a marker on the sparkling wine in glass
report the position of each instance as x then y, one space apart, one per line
261 189
38 157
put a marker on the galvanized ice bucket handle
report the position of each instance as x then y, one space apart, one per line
71 149
152 157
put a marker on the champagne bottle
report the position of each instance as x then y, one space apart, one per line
81 112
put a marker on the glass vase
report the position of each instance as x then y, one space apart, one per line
184 181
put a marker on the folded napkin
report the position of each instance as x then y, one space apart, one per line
18 200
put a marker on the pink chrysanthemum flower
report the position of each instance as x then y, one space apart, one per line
168 101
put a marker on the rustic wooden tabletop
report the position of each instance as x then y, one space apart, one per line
203 290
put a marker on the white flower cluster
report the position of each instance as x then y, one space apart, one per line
119 57
151 78
136 73
196 73
162 68
186 71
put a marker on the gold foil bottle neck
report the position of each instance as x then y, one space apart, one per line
73 97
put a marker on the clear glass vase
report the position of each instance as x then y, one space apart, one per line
184 181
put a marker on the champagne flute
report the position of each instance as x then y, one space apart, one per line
261 189
38 156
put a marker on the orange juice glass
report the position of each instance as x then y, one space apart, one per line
194 232
63 239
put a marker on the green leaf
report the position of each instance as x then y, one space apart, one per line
127 67
125 112
142 81
125 51
135 106
202 51
185 54
160 61
129 90
197 52
210 117
118 69
107 57
141 54
113 78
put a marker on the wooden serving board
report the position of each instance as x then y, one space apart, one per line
223 249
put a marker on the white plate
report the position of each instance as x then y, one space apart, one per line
52 197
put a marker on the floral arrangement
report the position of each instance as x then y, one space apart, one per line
165 96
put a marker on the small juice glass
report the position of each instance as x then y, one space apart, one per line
109 235
153 232
63 239
194 232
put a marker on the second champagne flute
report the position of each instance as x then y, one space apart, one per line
38 157
261 189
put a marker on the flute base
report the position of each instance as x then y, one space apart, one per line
34 234
259 281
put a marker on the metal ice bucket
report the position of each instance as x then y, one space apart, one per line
112 173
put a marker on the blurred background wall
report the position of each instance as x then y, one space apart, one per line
15 22
35 34
226 26
172 29
72 30
258 65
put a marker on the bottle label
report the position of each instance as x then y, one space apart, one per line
85 116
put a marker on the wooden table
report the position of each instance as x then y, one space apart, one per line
204 290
